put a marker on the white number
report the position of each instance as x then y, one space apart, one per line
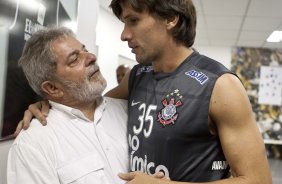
142 108
149 118
145 117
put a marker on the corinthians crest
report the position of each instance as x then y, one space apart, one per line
168 114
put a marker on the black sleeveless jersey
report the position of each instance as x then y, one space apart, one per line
168 121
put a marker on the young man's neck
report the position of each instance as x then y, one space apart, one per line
172 59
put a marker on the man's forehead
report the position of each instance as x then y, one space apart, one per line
66 45
127 9
66 40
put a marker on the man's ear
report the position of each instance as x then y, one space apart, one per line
172 21
52 89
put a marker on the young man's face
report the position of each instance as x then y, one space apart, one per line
76 68
146 35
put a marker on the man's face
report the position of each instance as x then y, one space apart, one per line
77 71
146 35
121 71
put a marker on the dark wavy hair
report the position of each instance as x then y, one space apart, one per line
185 30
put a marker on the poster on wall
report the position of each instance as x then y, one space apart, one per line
260 71
23 19
270 86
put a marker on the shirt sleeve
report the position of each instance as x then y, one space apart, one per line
27 164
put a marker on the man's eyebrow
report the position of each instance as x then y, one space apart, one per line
125 17
76 51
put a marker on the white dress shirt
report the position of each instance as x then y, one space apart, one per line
71 148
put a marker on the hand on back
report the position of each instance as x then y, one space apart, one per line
39 110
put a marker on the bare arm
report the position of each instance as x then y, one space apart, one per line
240 138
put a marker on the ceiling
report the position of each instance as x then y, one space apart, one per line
245 23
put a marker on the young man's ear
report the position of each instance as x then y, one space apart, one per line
172 21
51 89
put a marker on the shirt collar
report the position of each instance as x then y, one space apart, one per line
77 114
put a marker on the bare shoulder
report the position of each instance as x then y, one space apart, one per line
227 83
228 98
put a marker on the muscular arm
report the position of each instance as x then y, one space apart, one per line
241 141
240 138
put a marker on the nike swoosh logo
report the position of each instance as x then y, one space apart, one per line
134 103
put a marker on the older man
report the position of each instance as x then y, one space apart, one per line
78 145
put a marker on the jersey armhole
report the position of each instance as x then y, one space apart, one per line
132 76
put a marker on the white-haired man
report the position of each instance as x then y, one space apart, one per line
78 145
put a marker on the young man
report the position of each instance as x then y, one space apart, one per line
189 116
78 144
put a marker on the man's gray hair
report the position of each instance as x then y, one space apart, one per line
38 60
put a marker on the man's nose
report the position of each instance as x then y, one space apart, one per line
125 34
90 58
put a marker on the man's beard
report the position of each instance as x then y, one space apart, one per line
146 58
86 90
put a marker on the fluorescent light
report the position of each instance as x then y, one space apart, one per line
276 36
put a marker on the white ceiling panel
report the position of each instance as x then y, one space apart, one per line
261 24
221 43
234 22
265 8
223 34
254 35
201 22
226 7
223 22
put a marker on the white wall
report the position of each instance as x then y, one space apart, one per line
110 46
220 54
87 21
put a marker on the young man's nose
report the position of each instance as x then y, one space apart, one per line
125 34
